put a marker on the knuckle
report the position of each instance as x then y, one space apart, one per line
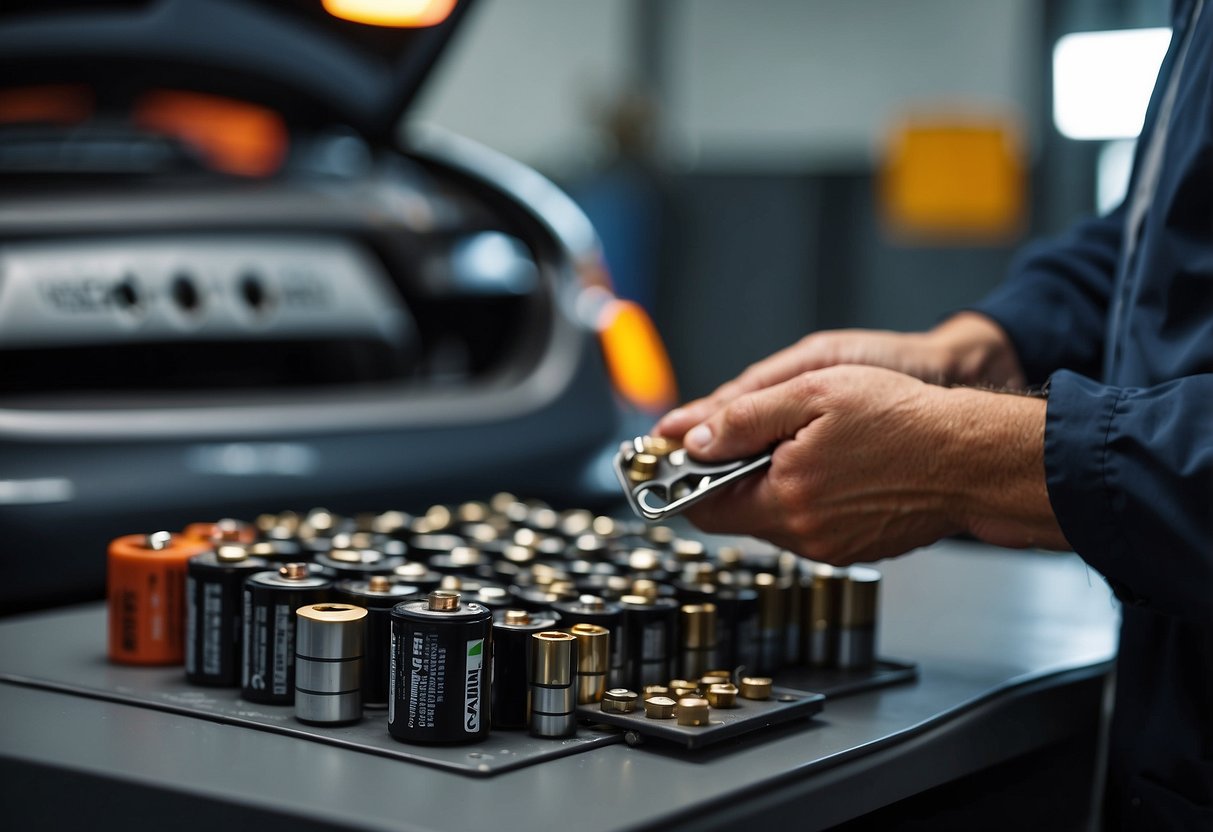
741 416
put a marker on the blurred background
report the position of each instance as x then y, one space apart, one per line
760 170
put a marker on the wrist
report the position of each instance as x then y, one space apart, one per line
995 456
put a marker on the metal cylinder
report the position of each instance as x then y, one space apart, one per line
620 701
693 711
512 631
377 594
819 616
439 689
146 593
593 661
650 629
593 609
328 663
772 621
214 588
696 639
553 693
270 600
857 608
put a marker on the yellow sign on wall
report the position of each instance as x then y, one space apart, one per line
955 179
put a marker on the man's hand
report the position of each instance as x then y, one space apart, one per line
872 463
966 349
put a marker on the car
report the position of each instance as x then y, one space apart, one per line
231 284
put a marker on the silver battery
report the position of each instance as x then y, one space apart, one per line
553 693
857 607
328 663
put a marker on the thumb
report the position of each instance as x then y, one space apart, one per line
752 423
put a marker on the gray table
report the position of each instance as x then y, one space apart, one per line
1014 648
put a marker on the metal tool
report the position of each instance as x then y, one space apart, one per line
660 479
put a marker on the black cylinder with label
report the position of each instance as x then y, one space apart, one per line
214 584
439 670
270 601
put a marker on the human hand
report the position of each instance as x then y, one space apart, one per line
872 463
966 349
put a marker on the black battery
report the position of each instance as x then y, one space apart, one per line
415 573
277 551
650 634
439 675
461 560
357 564
610 587
424 546
270 601
737 627
536 598
512 630
214 587
378 594
592 609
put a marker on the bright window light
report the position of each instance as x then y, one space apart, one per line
1102 81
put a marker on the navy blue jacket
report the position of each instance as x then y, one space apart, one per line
1121 327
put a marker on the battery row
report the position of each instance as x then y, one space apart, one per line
505 613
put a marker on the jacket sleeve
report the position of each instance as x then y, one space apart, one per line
1054 303
1130 478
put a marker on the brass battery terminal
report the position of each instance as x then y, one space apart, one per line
660 479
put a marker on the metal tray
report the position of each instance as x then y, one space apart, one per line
64 651
747 716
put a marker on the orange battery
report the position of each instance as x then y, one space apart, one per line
146 590
222 531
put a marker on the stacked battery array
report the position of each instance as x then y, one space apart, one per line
504 613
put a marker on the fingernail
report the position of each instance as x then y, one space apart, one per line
699 436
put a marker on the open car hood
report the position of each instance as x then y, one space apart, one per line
291 55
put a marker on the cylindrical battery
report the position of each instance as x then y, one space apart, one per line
377 594
214 590
439 683
461 560
696 639
772 621
277 551
591 609
270 601
221 531
609 587
512 631
737 627
553 693
415 573
593 661
650 632
358 563
819 616
793 597
860 590
328 663
426 545
146 592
